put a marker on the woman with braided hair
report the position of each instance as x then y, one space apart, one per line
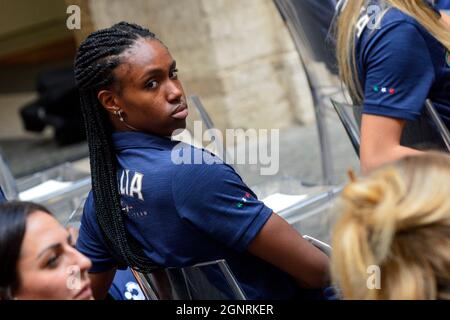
145 211
392 240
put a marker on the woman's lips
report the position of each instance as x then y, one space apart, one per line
84 294
181 112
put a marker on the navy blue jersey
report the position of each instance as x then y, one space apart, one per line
125 287
184 214
2 196
443 5
400 65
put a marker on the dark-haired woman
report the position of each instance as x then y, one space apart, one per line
145 210
37 257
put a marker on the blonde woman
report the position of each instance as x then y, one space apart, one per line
393 55
392 240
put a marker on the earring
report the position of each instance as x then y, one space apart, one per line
120 115
118 112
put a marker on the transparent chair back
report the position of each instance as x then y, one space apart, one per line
7 182
349 117
426 133
308 22
205 281
62 189
438 125
322 246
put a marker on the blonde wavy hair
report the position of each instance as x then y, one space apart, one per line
346 32
397 219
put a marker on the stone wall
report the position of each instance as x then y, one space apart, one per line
236 55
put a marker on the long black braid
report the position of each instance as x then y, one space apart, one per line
96 59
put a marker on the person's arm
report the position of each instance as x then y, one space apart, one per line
281 245
90 242
229 212
380 141
101 282
445 18
398 76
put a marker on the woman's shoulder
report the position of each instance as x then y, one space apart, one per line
194 162
394 16
394 28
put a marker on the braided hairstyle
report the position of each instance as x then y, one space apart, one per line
97 57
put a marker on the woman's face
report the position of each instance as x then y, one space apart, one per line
150 93
49 267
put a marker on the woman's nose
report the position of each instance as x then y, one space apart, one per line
174 91
84 262
81 260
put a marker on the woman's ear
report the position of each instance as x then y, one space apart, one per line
108 100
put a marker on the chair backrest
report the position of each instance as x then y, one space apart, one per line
7 182
439 124
205 281
219 143
61 189
309 22
427 132
325 248
346 114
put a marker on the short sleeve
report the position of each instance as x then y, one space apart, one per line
90 240
214 199
399 72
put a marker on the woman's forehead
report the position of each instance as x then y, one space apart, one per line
42 229
144 54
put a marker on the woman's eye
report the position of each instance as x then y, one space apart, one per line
53 261
174 74
152 84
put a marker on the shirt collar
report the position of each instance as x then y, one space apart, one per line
130 139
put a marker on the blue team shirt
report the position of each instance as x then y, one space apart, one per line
2 196
443 5
184 214
400 65
125 287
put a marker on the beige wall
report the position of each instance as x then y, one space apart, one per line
26 23
236 55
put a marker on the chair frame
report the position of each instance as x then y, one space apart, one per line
354 133
151 292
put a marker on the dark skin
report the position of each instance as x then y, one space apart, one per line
151 110
147 90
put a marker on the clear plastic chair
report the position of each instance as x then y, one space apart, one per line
428 132
439 124
347 115
7 182
61 189
308 22
324 247
204 281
